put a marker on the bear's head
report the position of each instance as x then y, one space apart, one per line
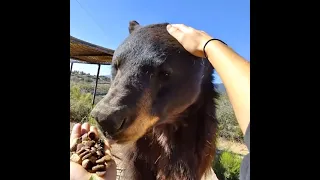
154 80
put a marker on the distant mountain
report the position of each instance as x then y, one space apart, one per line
220 88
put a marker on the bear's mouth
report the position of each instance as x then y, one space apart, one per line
122 124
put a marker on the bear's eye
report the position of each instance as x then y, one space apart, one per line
115 67
116 64
164 75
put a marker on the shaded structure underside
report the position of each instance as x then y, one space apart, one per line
89 53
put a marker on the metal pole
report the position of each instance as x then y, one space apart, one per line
71 69
95 88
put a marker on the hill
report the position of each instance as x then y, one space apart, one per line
79 76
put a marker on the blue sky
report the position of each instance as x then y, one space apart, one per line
105 22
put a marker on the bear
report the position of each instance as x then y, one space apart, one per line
160 107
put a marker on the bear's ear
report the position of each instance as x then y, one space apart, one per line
133 25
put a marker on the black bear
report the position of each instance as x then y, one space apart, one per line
160 107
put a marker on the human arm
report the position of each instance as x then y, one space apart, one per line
232 68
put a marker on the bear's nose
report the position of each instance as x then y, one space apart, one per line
111 119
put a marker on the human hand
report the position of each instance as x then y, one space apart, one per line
191 39
77 172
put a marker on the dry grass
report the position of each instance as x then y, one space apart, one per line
231 146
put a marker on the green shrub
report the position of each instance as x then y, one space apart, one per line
227 166
88 79
228 127
80 104
86 87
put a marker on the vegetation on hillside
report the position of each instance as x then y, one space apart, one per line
228 125
80 104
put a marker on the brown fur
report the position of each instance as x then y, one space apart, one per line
183 151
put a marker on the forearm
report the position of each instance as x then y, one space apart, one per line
234 72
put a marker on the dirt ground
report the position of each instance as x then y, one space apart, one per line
234 147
